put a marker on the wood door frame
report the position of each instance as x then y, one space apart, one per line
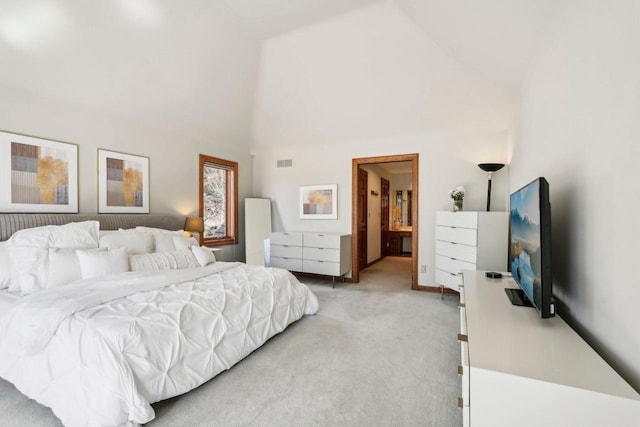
355 165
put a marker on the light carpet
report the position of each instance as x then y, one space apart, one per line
375 354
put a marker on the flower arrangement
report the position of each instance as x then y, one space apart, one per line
457 194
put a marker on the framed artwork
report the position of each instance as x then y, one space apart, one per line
37 175
123 182
319 202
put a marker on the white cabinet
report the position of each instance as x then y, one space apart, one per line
257 228
469 241
318 253
520 370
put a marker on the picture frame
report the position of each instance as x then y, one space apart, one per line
319 202
123 182
37 175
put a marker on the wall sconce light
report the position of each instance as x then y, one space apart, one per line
490 168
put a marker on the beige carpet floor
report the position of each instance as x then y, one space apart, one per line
375 354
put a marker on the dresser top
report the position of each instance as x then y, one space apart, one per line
515 340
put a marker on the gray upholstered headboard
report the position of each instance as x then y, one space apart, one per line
10 223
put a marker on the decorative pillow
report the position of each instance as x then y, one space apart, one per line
101 263
184 242
134 242
64 266
75 235
180 258
5 264
203 254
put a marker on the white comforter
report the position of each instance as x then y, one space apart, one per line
98 352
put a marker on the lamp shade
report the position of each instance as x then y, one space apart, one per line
194 225
491 167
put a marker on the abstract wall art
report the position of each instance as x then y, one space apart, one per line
37 175
123 183
319 202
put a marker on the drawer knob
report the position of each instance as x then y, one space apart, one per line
463 338
460 370
460 403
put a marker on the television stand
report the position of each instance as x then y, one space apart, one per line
518 297
520 370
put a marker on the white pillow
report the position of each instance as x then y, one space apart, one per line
158 230
163 260
75 235
101 263
5 265
37 236
134 242
64 266
28 251
184 242
163 242
78 235
203 254
29 268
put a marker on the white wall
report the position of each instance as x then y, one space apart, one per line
580 129
173 158
371 83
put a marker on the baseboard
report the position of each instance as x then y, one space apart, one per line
375 261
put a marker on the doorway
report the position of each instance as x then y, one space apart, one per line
359 213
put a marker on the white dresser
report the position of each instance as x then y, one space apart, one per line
318 253
520 370
469 241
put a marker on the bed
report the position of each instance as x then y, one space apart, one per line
99 349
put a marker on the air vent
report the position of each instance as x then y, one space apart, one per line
285 163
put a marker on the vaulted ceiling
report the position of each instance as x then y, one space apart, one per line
189 65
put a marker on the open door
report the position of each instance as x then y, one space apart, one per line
359 213
363 189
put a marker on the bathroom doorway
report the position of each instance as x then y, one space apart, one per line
405 227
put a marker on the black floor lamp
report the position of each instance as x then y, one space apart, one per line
490 168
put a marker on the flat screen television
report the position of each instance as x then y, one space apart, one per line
530 248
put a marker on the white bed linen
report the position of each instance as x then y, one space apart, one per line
6 301
98 352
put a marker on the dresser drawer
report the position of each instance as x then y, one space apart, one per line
467 236
321 254
286 238
322 240
450 280
456 250
291 264
285 251
453 265
457 219
321 267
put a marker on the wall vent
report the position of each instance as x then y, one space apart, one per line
285 163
